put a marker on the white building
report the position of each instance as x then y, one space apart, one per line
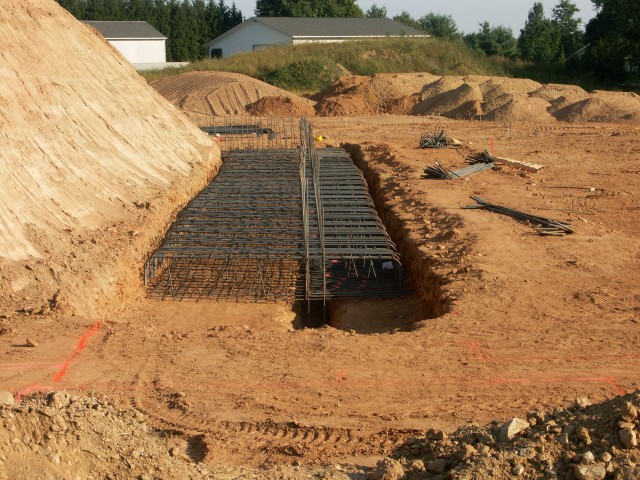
137 41
260 32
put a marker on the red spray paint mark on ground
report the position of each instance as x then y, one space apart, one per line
31 388
76 351
476 350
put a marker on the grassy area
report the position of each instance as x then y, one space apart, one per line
307 68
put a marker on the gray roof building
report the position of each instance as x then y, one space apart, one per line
259 32
126 30
137 41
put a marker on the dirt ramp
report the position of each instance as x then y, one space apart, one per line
92 162
602 106
219 93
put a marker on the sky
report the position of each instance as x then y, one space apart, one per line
466 13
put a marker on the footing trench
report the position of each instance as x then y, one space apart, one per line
279 224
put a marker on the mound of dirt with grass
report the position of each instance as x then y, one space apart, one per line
602 106
282 107
580 442
218 93
92 160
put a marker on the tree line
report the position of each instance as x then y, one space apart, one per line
187 24
608 46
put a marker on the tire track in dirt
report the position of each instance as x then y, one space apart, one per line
283 439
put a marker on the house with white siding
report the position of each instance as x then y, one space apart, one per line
137 41
260 32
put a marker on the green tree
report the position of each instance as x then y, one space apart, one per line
406 19
437 25
539 39
571 35
613 36
493 40
376 12
307 8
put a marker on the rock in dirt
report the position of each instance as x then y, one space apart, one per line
438 465
595 471
388 469
628 412
512 428
6 398
628 437
30 343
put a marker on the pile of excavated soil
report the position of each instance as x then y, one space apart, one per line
282 107
583 442
473 96
463 102
92 160
378 94
60 436
601 106
219 93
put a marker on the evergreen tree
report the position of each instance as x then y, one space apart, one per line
442 26
613 36
376 12
493 40
571 36
307 8
539 39
406 19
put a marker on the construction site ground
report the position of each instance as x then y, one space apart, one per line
523 322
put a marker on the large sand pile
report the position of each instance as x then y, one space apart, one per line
219 93
92 162
463 102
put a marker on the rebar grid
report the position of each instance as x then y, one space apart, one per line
250 132
278 224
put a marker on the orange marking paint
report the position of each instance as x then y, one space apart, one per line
76 351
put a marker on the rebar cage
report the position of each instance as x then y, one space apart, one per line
293 223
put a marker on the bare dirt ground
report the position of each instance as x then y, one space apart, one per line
527 322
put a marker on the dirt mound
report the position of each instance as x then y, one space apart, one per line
552 91
441 85
217 93
601 106
493 98
581 441
461 103
359 95
499 91
520 107
90 154
282 107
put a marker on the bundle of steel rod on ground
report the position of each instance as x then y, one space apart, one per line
546 226
433 140
440 172
482 157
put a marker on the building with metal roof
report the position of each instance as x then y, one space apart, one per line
260 32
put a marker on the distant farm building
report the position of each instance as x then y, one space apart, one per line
260 32
137 41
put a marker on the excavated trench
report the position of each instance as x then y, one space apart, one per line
372 315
